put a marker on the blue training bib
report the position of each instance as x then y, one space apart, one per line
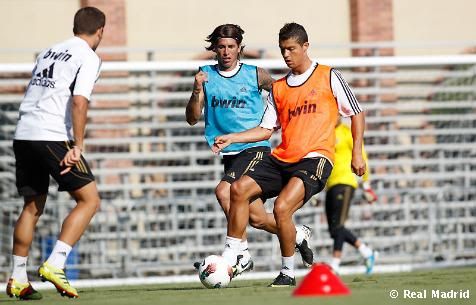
232 104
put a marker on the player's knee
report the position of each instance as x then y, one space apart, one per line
96 204
33 210
238 191
34 206
281 210
222 192
35 213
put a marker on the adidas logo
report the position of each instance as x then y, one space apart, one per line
62 253
21 265
243 89
232 175
48 72
44 78
313 92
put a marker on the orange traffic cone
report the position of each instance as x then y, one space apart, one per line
321 281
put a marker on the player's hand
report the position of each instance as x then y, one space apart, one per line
369 194
221 142
200 78
72 157
358 165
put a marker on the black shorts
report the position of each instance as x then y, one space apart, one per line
236 165
338 199
37 160
272 175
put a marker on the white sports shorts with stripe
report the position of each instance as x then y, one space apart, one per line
37 160
272 175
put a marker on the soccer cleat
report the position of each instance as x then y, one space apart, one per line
56 276
283 280
370 262
304 249
240 267
22 291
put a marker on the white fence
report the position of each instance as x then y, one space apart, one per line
156 175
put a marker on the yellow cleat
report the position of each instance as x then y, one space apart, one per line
56 276
22 291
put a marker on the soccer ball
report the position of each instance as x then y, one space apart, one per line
214 272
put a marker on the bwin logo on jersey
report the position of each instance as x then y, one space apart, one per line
224 103
44 78
303 109
61 56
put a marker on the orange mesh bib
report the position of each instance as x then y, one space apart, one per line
308 115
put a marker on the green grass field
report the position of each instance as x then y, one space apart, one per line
365 290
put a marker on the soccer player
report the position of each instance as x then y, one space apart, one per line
49 140
230 95
341 185
308 101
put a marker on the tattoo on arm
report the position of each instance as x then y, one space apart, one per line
265 80
194 107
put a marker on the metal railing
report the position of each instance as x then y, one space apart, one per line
157 176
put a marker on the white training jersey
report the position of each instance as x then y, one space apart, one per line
66 69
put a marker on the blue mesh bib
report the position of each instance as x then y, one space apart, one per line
232 104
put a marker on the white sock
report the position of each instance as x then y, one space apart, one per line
244 251
365 251
232 249
300 235
59 254
244 245
19 268
335 264
287 264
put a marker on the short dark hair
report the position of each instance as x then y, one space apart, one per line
88 20
293 30
224 31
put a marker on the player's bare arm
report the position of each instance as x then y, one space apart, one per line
265 81
197 99
251 135
79 113
357 127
